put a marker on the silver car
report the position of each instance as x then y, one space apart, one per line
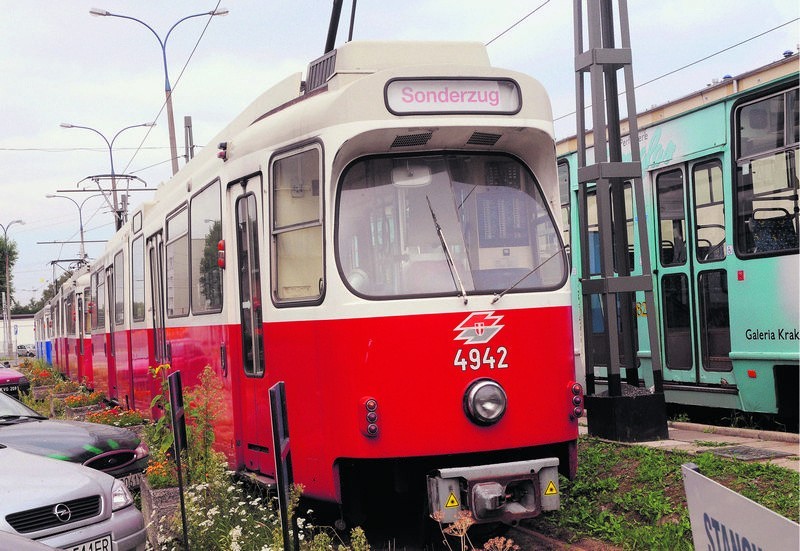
66 506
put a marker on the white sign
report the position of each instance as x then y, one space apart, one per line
724 520
420 96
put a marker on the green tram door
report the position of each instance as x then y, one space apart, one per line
692 284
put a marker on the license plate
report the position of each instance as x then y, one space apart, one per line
132 481
99 544
9 388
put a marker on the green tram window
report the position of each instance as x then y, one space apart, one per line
671 218
709 212
715 327
766 176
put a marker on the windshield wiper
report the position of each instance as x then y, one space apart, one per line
450 264
520 280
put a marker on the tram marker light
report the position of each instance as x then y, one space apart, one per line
740 275
751 373
221 253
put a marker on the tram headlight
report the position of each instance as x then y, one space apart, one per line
485 402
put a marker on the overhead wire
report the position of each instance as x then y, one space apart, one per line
759 35
519 21
672 72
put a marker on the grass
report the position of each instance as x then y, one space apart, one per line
633 496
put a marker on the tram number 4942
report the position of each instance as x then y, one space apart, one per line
475 359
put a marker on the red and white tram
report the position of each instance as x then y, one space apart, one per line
381 237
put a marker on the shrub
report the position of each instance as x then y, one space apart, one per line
161 471
84 399
63 386
43 376
116 416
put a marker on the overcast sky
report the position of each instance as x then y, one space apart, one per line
61 65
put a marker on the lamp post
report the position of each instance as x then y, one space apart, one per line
12 353
167 88
82 253
118 218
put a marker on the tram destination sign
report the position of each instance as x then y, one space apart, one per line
432 96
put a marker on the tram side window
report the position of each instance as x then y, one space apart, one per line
87 311
137 279
766 184
99 318
119 289
671 218
206 233
177 260
69 311
297 231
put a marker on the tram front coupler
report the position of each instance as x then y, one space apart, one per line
502 492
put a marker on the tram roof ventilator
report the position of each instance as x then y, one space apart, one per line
363 58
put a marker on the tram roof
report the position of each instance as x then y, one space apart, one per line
712 93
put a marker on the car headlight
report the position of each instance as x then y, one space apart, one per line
485 402
120 496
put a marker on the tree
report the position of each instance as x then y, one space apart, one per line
7 248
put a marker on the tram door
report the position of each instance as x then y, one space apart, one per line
256 442
693 286
111 338
155 259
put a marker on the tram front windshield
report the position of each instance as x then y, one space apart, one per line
445 224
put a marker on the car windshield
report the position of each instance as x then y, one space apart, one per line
445 224
9 408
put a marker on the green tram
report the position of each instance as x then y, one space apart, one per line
721 184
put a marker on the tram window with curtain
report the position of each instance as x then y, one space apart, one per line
766 176
69 312
206 233
177 264
119 289
87 311
100 300
297 231
137 279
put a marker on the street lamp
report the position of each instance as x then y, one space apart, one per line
12 353
80 217
118 218
167 89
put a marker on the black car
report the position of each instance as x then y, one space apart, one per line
114 450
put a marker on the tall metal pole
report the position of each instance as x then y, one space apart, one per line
119 214
12 353
173 146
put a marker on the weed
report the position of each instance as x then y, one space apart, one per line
681 417
710 444
633 496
